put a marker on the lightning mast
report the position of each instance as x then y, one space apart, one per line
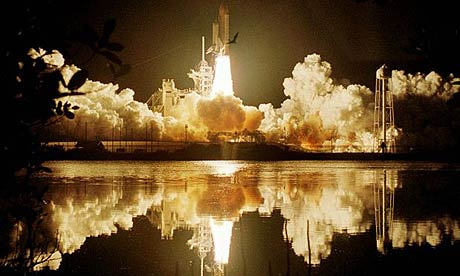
384 128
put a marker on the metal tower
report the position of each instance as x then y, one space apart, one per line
204 76
384 201
165 98
384 128
202 240
168 96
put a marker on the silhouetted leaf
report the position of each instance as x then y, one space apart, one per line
69 114
114 46
77 80
60 77
66 94
124 69
89 36
39 64
59 108
49 84
109 26
111 56
111 68
75 107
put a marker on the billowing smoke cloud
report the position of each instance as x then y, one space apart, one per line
76 220
430 85
426 111
106 113
322 115
227 113
318 112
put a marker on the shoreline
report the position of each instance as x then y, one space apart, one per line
244 151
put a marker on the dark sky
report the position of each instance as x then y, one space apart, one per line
162 39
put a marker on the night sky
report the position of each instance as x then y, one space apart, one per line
162 39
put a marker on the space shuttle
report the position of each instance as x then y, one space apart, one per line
220 32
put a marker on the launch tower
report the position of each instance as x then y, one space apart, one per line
384 128
168 96
203 76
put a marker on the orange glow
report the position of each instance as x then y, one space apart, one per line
221 236
222 83
225 168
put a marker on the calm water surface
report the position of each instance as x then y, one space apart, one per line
252 218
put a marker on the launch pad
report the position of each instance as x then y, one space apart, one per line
318 116
203 75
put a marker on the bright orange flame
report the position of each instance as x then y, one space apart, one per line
222 83
221 236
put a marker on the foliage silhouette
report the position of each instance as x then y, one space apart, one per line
103 46
34 92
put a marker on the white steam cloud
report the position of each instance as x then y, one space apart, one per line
318 114
106 113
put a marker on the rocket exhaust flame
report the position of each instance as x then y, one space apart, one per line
221 236
223 83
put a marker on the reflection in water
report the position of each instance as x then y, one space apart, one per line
221 235
97 213
202 241
208 197
384 199
401 232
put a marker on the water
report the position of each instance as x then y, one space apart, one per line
251 218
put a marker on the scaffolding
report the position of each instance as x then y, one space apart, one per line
202 241
168 96
384 128
203 76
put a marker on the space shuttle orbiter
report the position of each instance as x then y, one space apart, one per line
220 31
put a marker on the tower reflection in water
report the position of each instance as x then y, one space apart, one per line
211 234
384 199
